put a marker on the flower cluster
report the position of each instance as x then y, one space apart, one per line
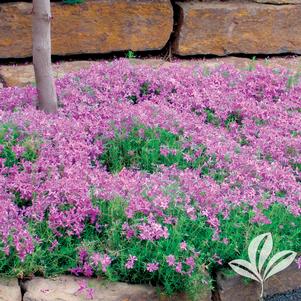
234 140
90 262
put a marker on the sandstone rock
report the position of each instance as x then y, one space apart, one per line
66 288
223 28
10 290
96 26
235 288
23 75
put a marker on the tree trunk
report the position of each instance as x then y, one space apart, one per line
41 39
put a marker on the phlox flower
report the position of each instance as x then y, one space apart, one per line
105 262
130 262
179 267
171 260
183 246
152 267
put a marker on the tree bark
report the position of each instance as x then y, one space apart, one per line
41 39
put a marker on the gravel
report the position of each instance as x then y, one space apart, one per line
289 296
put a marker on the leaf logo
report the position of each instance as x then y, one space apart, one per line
253 269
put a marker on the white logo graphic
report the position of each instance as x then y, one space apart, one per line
254 268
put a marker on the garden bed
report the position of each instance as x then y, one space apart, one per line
154 176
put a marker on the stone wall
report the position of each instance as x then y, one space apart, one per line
67 288
223 28
191 27
99 26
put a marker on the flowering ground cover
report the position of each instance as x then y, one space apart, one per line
149 175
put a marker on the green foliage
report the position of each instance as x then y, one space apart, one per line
144 90
233 117
147 251
297 166
211 117
240 230
206 71
71 2
237 229
130 54
293 80
141 149
10 137
252 64
88 90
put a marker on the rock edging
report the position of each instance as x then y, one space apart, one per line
235 288
70 288
226 28
191 27
96 26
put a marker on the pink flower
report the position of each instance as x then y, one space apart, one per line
130 262
151 267
257 151
18 150
171 260
90 292
190 261
83 254
96 258
164 151
187 157
128 231
173 151
141 133
152 231
54 244
83 287
217 259
87 270
105 262
76 271
183 245
226 241
83 284
179 267
191 211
